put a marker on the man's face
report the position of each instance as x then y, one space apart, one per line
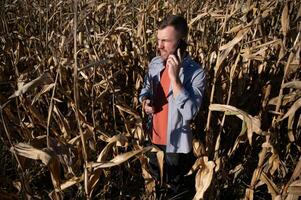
167 41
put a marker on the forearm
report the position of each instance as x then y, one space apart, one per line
189 98
177 87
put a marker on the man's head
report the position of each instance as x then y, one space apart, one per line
171 29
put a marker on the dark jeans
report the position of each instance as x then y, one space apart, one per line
175 166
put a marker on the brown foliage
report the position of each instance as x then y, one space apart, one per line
71 72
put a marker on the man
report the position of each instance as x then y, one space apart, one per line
172 94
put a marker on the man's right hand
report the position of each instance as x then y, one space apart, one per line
147 106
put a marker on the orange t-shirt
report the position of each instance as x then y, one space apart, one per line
160 117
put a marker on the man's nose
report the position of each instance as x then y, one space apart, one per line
160 44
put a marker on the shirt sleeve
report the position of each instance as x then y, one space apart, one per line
146 91
189 100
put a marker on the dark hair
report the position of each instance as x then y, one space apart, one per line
176 21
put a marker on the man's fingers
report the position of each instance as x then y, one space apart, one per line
149 109
173 60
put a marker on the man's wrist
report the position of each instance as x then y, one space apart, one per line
176 80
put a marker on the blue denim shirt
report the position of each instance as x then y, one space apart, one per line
183 108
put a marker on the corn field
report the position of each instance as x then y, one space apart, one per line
71 126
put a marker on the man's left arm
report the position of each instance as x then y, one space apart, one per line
189 99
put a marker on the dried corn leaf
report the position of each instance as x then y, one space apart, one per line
272 43
234 67
278 197
286 99
274 163
93 180
53 195
293 84
290 129
41 80
235 29
149 181
160 159
236 171
253 123
285 20
128 110
100 6
294 66
292 197
117 160
272 188
138 131
249 194
240 35
220 58
293 57
299 12
197 165
295 188
218 164
292 110
72 181
198 148
197 18
203 178
45 156
218 14
256 175
297 170
62 122
121 139
239 138
259 55
45 89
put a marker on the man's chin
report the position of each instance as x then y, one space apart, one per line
164 56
